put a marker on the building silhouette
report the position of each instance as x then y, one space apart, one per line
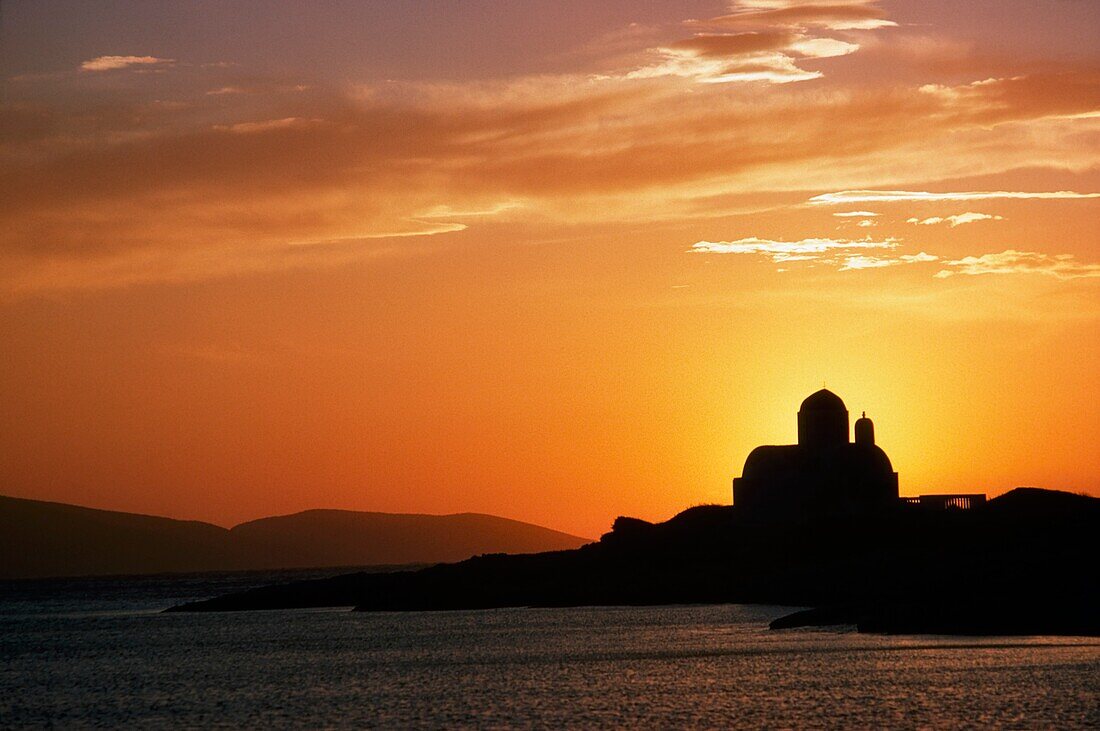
824 472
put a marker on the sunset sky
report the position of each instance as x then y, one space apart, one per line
553 261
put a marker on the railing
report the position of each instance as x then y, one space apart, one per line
946 502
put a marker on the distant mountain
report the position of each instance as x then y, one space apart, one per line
54 539
349 538
40 539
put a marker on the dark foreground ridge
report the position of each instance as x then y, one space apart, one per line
1021 563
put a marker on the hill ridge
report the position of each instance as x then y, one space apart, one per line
40 539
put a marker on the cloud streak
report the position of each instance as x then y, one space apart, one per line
1010 261
835 15
860 261
846 197
754 245
814 249
773 67
860 254
112 63
766 44
956 220
267 125
844 254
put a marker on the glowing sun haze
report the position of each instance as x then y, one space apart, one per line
554 261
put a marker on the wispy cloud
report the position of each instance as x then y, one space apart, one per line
267 125
846 197
425 224
771 42
956 220
833 15
754 245
725 45
857 254
491 209
223 90
414 227
1010 261
844 254
785 251
1053 96
111 63
855 214
861 261
771 67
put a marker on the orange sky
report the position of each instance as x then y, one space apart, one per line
550 262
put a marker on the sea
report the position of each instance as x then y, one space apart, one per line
100 653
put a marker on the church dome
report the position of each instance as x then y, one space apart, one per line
823 400
822 420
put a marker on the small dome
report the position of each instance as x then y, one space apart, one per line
865 430
823 400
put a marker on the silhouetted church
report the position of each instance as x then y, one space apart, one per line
824 472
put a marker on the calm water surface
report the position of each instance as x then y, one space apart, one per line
99 653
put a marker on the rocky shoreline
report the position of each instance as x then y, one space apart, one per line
1022 564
